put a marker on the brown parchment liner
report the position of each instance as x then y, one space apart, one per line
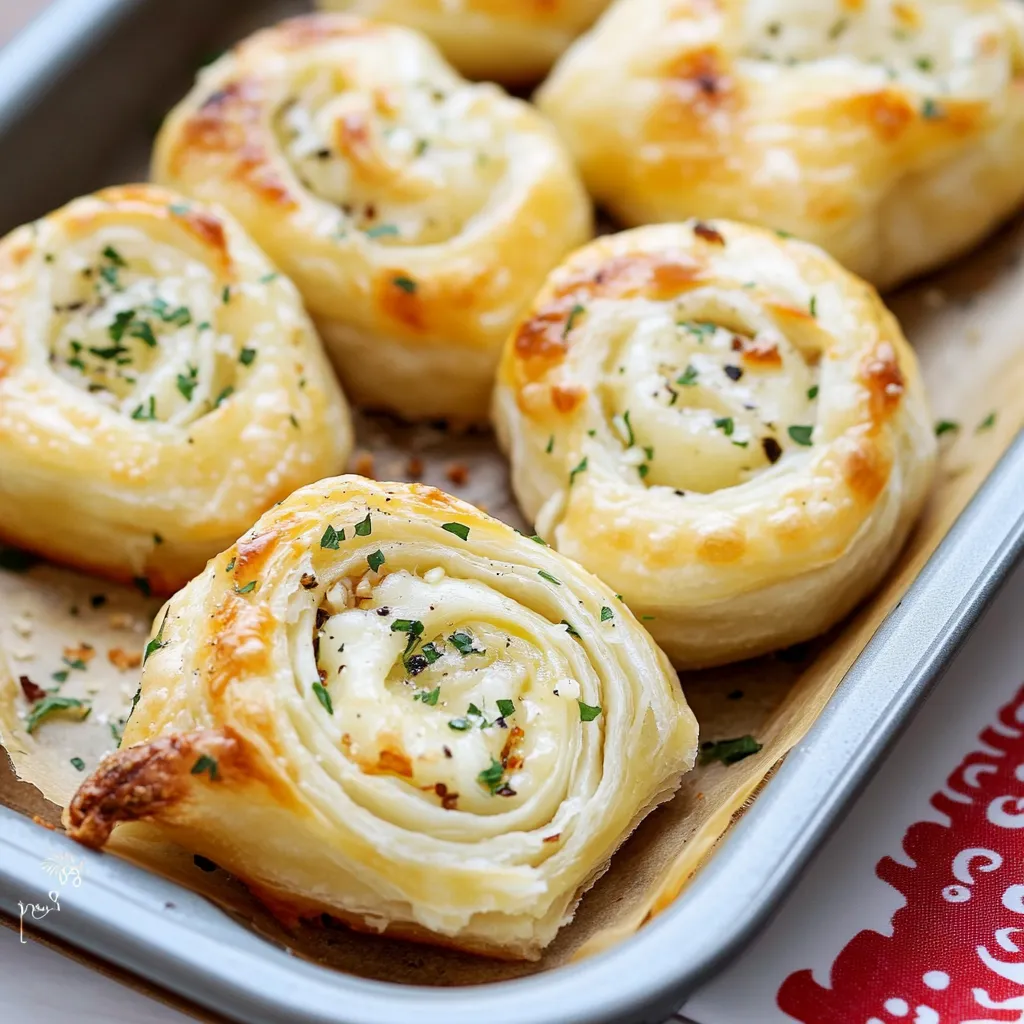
967 326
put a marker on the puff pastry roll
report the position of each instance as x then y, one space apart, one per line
512 41
384 705
891 134
417 213
160 386
724 425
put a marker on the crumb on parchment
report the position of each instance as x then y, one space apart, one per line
124 660
457 473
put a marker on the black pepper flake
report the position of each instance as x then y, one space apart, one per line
708 233
308 581
447 751
203 863
772 449
416 664
383 610
733 372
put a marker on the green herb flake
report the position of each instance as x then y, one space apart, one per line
580 468
78 764
223 396
492 777
411 626
140 329
179 209
364 528
924 64
801 434
157 642
146 411
728 751
111 254
814 306
375 560
186 385
428 696
464 644
225 295
547 576
688 379
246 356
331 538
430 653
606 613
987 423
539 540
946 427
460 724
812 393
52 705
61 676
570 628
574 314
247 589
587 712
406 284
726 425
206 765
931 111
506 708
459 529
267 278
324 697
551 444
381 231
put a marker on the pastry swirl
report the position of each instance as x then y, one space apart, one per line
507 42
724 425
384 705
160 386
890 134
417 213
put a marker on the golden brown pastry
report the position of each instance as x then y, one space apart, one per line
417 213
724 425
160 386
384 705
512 41
891 134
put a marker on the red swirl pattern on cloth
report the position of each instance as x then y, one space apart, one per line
956 953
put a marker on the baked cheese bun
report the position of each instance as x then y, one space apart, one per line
160 386
383 705
417 213
890 134
724 425
511 41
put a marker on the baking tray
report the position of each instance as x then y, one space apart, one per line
80 95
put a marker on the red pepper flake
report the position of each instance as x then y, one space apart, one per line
552 839
31 690
708 233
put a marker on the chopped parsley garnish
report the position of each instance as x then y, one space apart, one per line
187 384
430 653
380 230
225 295
588 713
579 469
812 393
987 423
141 330
375 560
179 316
206 765
120 324
428 696
111 254
52 705
464 644
412 627
946 427
230 564
726 425
61 676
570 628
728 751
506 708
246 356
459 529
547 576
157 642
78 763
801 434
407 284
539 540
924 63
630 436
460 724
606 613
294 422
700 328
364 528
267 278
814 306
324 697
931 111
574 314
179 209
331 538
551 444
146 411
224 396
492 777
247 589
689 377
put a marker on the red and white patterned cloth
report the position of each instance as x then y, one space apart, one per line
913 913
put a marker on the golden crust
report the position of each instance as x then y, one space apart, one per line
396 681
160 386
892 143
417 213
515 43
748 441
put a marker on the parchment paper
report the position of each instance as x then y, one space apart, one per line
967 326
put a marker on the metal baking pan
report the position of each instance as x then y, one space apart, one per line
89 80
